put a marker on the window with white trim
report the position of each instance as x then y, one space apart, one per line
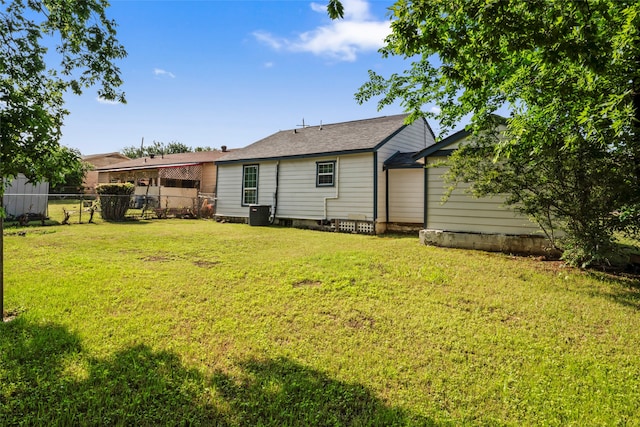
325 174
250 184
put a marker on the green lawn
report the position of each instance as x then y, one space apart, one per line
191 322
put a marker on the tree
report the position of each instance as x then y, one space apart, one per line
31 92
568 72
132 152
160 148
205 148
75 172
175 147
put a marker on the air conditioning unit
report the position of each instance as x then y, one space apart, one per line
259 215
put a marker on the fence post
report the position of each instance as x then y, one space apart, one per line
81 207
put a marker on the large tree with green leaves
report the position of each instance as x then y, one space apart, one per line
76 171
34 79
569 74
31 90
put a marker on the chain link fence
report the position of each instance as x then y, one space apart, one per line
46 209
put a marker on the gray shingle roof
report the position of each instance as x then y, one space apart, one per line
402 161
354 136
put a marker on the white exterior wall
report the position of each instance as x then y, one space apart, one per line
414 137
22 197
298 196
464 213
229 190
354 188
406 196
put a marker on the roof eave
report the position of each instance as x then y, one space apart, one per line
440 145
147 167
296 156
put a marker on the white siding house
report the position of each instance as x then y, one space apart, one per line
461 212
331 176
462 220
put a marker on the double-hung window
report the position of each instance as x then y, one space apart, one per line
325 174
250 184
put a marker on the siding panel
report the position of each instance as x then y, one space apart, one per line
300 198
23 197
229 191
412 138
406 196
463 212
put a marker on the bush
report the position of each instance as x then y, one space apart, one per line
114 200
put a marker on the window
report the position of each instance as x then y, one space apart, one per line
250 184
325 172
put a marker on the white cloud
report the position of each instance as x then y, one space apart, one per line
341 39
106 101
269 40
268 65
161 72
435 110
317 7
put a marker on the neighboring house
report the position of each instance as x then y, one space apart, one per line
466 221
99 161
332 176
22 197
171 180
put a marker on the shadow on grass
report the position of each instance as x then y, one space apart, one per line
625 289
284 393
45 379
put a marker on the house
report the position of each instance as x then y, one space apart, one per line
172 181
22 197
465 221
331 176
98 161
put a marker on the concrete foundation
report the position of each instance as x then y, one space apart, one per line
523 244
401 228
306 224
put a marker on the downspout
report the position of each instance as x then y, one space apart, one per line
215 189
375 188
275 195
425 197
337 195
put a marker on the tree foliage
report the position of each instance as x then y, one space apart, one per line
158 148
74 172
569 73
31 90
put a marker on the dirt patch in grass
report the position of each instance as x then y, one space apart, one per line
361 321
307 283
156 258
205 263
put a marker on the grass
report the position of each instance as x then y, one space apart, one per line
191 322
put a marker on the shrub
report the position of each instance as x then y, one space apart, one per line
114 200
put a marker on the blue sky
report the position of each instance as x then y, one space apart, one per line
213 73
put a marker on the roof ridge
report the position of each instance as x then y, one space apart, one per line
345 122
